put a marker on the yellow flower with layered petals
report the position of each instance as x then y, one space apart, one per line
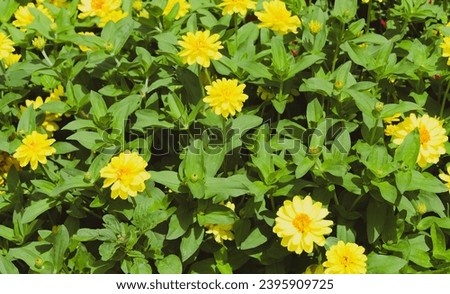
34 149
300 223
113 16
225 96
237 6
445 45
6 46
446 178
24 17
200 48
183 8
345 258
276 17
391 119
432 136
11 59
125 174
221 232
100 8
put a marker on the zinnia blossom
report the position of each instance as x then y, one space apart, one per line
125 174
314 269
200 48
98 8
113 16
300 223
183 7
6 46
237 6
24 17
345 258
445 45
221 232
432 136
225 96
315 26
446 178
277 18
35 148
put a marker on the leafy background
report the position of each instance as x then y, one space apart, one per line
321 134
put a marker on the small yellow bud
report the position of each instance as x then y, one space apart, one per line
379 106
138 5
315 26
39 43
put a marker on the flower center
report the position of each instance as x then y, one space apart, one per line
97 4
301 222
122 173
424 135
345 260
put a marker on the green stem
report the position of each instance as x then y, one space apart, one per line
50 63
236 30
224 138
369 16
336 51
374 132
444 100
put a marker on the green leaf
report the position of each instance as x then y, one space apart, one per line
217 214
27 122
167 178
254 239
384 264
7 233
438 239
388 191
406 154
376 218
87 139
37 208
7 267
191 242
60 245
148 119
314 112
279 56
179 223
170 264
9 97
64 147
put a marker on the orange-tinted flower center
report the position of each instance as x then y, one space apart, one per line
345 260
97 4
302 222
424 135
122 173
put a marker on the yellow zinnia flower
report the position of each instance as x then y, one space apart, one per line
225 96
6 162
24 17
126 173
345 258
315 26
113 16
221 231
445 45
183 7
11 59
6 46
35 148
395 118
200 48
446 178
138 5
98 8
277 18
432 136
237 6
300 224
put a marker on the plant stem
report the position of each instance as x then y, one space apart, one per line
224 138
336 51
50 63
369 16
373 132
444 100
236 30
